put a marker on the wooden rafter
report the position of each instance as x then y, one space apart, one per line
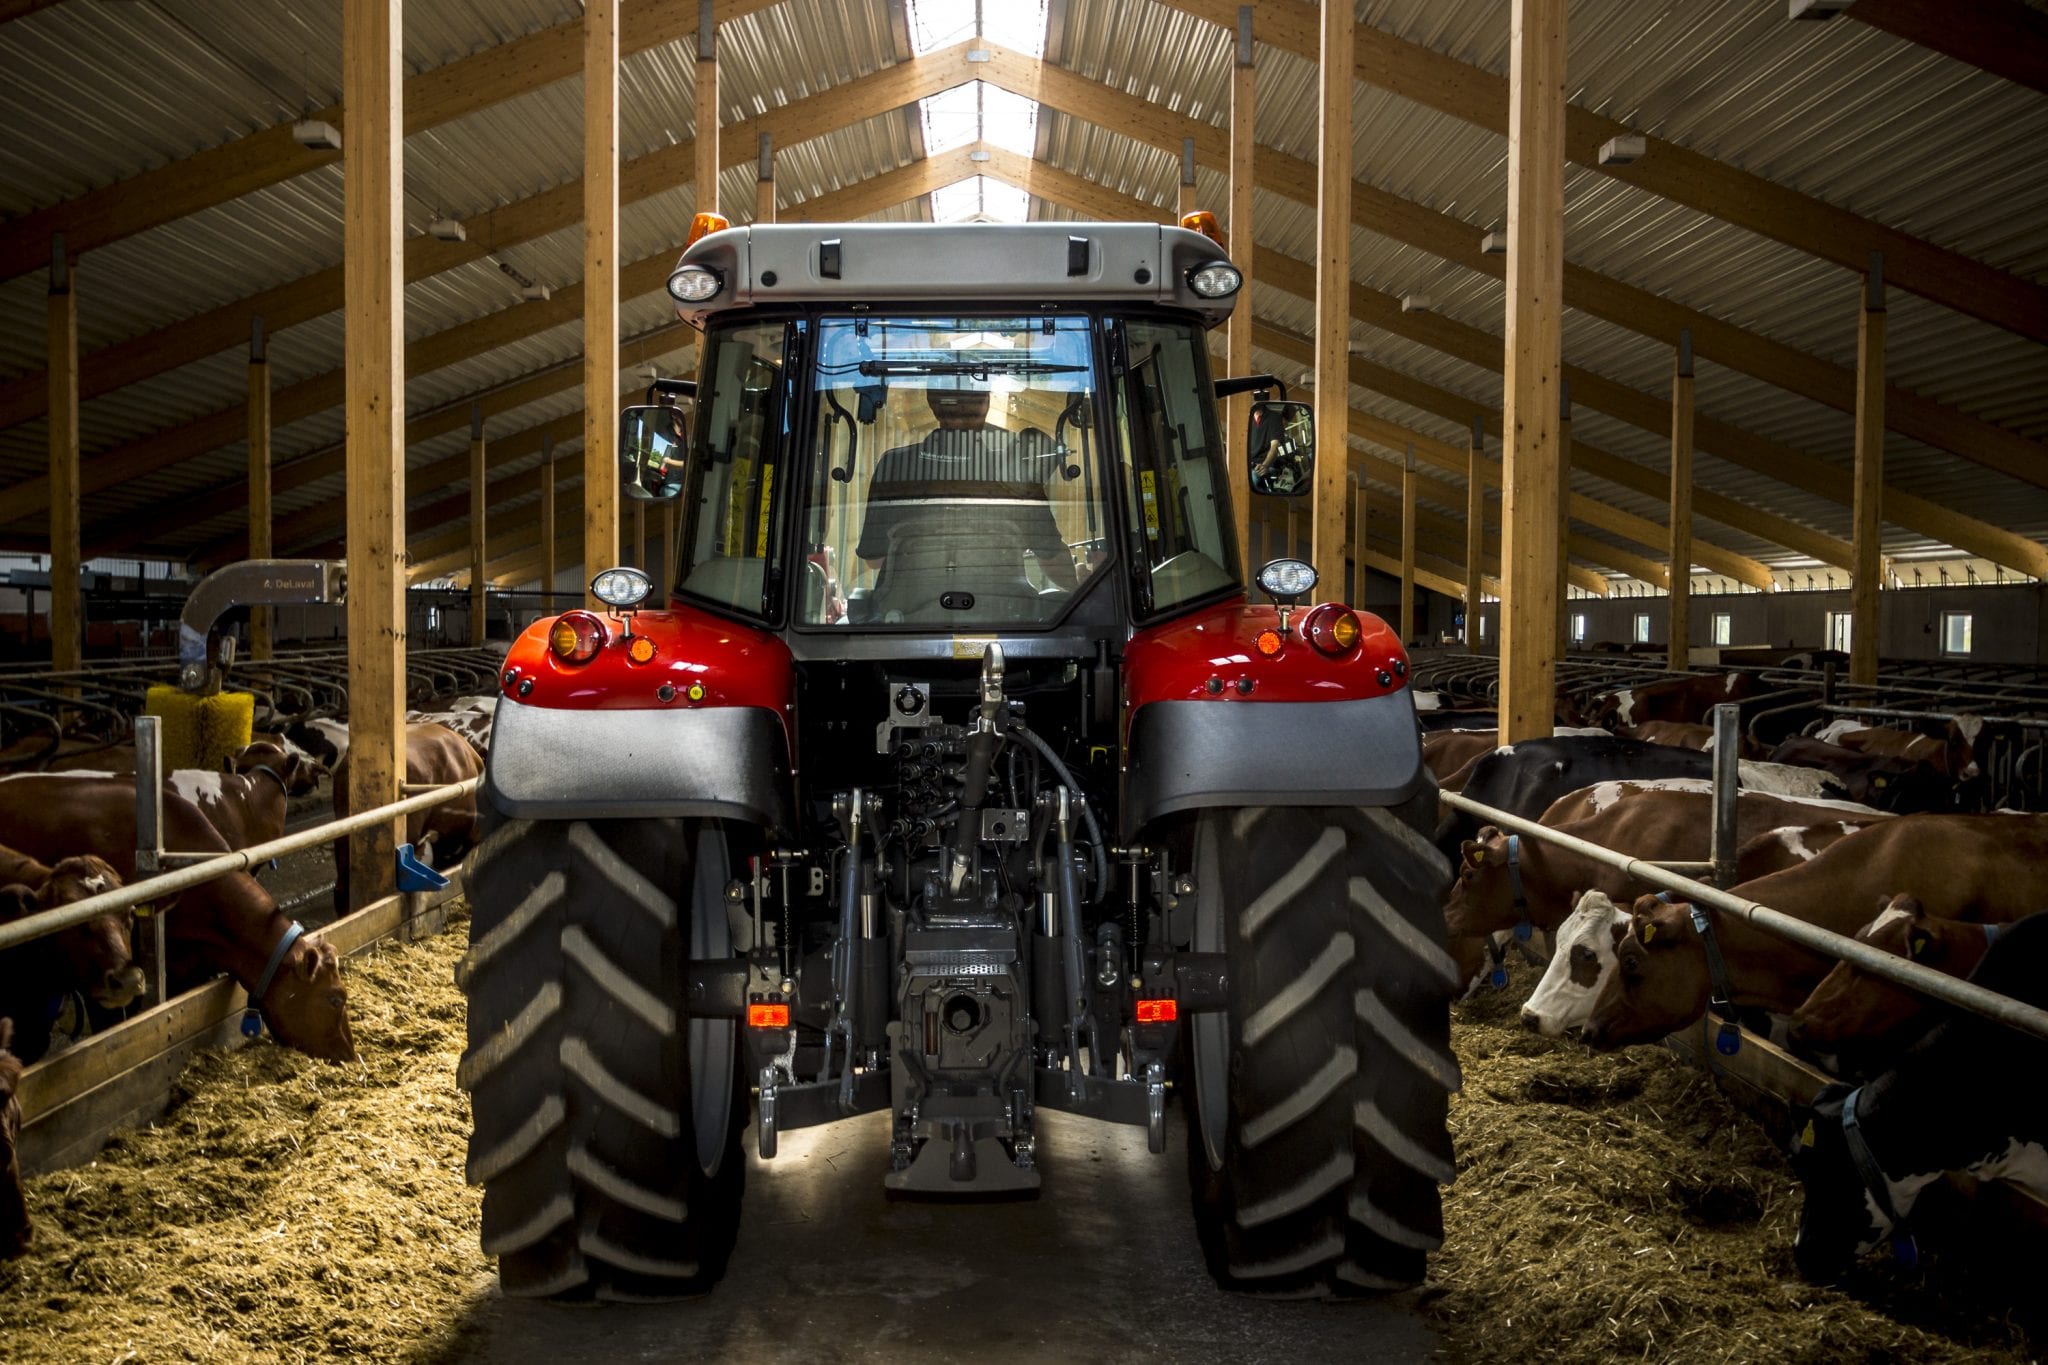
2003 37
1477 96
643 177
245 164
1441 234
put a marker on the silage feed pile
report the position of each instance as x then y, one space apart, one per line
285 1209
1618 1206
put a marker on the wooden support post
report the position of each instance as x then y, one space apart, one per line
1238 340
764 182
1864 631
67 625
1529 469
547 515
1187 176
1358 538
707 109
479 534
1407 626
639 534
1475 531
1333 291
1564 515
373 264
1679 646
671 521
261 619
601 280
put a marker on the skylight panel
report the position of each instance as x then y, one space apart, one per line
980 200
952 118
1015 24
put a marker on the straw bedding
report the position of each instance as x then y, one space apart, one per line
1606 1206
1612 1206
285 1209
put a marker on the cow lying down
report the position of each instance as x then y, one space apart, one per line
1966 1098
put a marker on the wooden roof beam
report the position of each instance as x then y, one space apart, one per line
2003 37
1475 95
255 160
1376 210
310 296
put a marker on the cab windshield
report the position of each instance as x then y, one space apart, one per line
956 481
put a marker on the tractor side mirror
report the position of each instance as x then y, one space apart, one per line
1280 448
653 443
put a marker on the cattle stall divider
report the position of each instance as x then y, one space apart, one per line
73 1101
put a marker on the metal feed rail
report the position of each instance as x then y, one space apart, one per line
45 922
1897 970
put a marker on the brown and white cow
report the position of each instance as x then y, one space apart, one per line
1687 699
1987 868
16 1230
1855 1014
246 799
1662 821
229 924
1889 782
94 958
434 756
1682 735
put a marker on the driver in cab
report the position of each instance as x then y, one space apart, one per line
956 512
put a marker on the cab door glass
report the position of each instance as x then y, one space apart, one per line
1182 543
730 551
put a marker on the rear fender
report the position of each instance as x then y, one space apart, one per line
1210 720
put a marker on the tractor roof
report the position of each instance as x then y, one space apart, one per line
958 265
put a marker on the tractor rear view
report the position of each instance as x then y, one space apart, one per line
957 774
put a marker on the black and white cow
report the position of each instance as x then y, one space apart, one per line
1966 1098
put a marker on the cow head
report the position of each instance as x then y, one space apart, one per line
1659 984
1586 954
97 955
307 1005
1482 900
15 1229
295 771
1839 1221
1851 1008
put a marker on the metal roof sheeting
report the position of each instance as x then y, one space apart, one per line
1840 111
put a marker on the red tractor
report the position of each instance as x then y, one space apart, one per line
961 777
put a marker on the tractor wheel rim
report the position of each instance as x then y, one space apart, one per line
711 1042
1211 1041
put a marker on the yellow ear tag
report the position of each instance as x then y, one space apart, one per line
1478 856
1806 1134
1919 946
1879 783
1648 931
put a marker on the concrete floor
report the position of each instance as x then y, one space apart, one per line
1101 1267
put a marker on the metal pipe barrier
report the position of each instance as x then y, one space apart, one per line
45 922
1897 970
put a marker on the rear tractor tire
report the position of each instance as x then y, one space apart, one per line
1317 1103
606 1124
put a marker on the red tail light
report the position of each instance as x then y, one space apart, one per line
1158 1011
577 637
1333 629
767 1016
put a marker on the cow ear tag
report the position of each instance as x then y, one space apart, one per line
252 1023
1806 1135
1648 930
1478 856
1919 946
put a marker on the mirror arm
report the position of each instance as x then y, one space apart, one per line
671 388
1250 383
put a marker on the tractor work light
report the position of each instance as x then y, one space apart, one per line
621 589
694 284
1291 579
576 637
1333 629
1216 280
703 225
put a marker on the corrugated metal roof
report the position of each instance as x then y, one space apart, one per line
1838 110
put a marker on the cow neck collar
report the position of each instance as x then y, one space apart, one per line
272 774
1523 928
1865 1160
292 934
1722 1002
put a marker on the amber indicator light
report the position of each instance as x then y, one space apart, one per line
767 1016
1158 1011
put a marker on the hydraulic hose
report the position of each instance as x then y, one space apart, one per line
1095 843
